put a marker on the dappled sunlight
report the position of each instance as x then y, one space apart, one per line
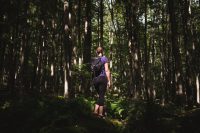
197 86
148 66
52 69
86 26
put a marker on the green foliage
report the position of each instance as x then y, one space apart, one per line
58 115
32 55
149 117
117 108
51 115
81 71
5 105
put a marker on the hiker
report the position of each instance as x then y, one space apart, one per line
101 80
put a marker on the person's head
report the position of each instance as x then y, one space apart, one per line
99 51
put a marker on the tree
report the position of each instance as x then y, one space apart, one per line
87 45
178 79
101 14
67 49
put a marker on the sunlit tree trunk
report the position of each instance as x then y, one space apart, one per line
67 49
197 89
112 32
195 52
111 38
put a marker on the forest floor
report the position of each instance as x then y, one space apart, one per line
185 122
41 115
189 121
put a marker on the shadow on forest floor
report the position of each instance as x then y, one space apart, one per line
51 115
185 122
189 122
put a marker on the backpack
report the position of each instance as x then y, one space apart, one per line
96 66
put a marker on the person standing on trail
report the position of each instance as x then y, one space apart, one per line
101 80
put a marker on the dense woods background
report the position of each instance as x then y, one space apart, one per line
152 45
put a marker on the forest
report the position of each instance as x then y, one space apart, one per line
153 48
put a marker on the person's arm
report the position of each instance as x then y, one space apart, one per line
107 73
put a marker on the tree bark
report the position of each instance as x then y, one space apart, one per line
101 22
185 6
197 89
146 62
67 50
24 52
176 53
134 57
87 46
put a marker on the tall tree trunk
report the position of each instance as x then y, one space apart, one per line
42 44
12 54
176 53
135 48
146 55
3 47
134 57
131 89
67 49
164 58
80 45
101 21
111 38
79 23
185 4
87 46
197 89
24 53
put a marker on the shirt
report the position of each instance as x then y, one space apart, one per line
104 60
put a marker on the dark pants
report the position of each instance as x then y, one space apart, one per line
100 84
